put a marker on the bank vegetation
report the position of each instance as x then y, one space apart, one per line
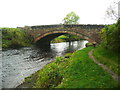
77 71
15 38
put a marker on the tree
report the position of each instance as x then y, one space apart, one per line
110 37
112 11
71 18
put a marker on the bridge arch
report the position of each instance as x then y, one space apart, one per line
48 36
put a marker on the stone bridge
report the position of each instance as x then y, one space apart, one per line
45 33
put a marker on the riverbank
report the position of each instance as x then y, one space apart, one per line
77 71
15 38
20 63
66 38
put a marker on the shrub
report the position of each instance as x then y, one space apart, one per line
14 38
110 37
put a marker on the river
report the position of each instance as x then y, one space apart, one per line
20 63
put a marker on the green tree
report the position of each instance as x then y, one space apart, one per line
110 37
71 18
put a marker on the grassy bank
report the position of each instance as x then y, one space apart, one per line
65 38
108 58
59 39
14 38
77 71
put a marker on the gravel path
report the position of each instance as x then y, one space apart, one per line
114 76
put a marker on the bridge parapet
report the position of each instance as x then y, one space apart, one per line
46 27
88 26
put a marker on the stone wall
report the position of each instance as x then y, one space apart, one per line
89 32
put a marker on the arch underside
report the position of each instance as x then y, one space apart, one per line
47 37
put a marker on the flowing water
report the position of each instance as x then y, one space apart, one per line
20 63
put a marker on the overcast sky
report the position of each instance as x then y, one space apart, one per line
17 13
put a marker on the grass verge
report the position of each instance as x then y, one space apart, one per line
108 58
77 71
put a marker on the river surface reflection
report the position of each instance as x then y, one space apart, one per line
20 63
